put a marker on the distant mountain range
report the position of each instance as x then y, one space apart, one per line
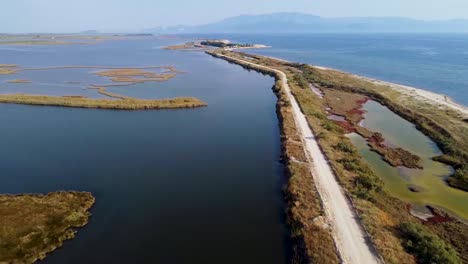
306 23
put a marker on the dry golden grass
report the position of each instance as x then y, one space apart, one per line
127 72
125 104
134 75
6 71
33 225
125 75
19 81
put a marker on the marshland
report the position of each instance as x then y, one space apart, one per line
131 160
392 220
402 192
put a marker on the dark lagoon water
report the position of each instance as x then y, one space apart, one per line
436 62
172 186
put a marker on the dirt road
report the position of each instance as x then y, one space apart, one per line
348 233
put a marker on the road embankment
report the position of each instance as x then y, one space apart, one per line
383 216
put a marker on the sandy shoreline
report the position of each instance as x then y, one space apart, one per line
413 92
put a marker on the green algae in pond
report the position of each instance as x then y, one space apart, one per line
430 181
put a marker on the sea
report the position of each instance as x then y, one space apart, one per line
434 62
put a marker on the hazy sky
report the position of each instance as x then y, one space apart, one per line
129 15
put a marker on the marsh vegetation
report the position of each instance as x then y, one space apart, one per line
119 77
33 225
383 216
126 103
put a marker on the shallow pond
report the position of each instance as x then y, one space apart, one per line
400 133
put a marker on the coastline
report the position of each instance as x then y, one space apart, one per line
418 93
301 194
338 218
382 215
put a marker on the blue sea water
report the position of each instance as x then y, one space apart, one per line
435 62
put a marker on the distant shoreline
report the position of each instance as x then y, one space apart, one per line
418 93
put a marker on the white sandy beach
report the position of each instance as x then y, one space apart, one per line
415 93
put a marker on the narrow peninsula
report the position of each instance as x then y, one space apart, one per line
330 101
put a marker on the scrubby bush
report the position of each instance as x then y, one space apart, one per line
366 185
460 178
427 247
345 147
301 81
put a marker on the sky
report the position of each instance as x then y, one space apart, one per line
20 16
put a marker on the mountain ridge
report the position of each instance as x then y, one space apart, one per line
308 23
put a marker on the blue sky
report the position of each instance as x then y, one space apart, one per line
129 15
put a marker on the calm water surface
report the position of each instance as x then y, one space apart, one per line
436 62
172 186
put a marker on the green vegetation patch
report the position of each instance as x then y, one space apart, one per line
427 247
33 225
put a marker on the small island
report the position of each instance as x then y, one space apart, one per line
214 43
19 81
32 226
6 69
124 103
118 76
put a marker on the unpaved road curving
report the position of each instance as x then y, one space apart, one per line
349 235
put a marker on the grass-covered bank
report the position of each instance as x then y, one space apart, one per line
445 127
33 225
126 103
311 237
383 216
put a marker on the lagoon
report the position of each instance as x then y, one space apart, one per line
431 180
171 186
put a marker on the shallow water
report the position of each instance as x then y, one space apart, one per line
399 132
172 186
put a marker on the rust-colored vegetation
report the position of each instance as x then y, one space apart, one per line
349 105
